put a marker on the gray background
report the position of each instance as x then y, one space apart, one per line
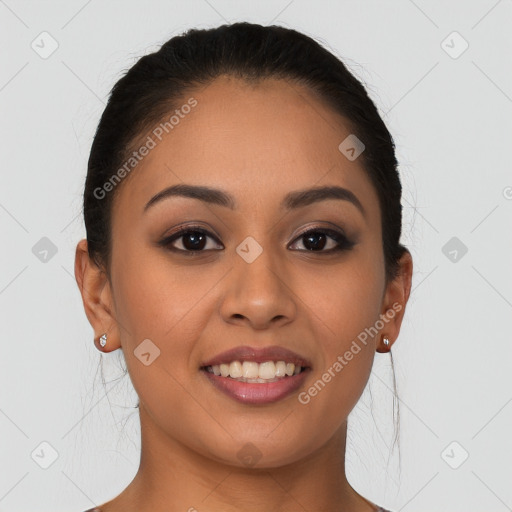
450 115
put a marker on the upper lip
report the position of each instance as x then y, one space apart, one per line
258 355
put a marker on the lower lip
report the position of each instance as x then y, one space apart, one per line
257 393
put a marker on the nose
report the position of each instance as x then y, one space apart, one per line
258 294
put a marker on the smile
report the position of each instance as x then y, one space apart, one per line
244 388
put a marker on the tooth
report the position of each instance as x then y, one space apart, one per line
290 368
216 369
224 369
280 369
235 369
297 370
250 370
267 370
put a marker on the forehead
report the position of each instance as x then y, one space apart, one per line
257 141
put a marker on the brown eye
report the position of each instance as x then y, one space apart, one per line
315 240
191 239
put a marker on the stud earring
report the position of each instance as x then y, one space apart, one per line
103 339
386 341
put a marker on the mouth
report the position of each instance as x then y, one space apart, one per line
257 376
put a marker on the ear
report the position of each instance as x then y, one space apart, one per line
395 299
97 298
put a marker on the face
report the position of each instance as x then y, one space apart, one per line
250 277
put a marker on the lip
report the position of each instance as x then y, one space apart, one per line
258 355
257 393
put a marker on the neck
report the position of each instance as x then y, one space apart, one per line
173 477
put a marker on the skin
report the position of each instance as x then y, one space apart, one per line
257 142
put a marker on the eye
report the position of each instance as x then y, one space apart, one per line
191 239
315 240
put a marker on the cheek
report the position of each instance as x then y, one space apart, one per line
347 305
153 296
159 302
151 305
347 299
347 310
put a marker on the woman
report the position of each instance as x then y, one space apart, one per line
243 217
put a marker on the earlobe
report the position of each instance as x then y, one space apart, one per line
385 346
95 289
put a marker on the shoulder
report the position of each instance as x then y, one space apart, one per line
96 509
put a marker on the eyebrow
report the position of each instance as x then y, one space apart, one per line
292 200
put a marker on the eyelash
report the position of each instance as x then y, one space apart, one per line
343 242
